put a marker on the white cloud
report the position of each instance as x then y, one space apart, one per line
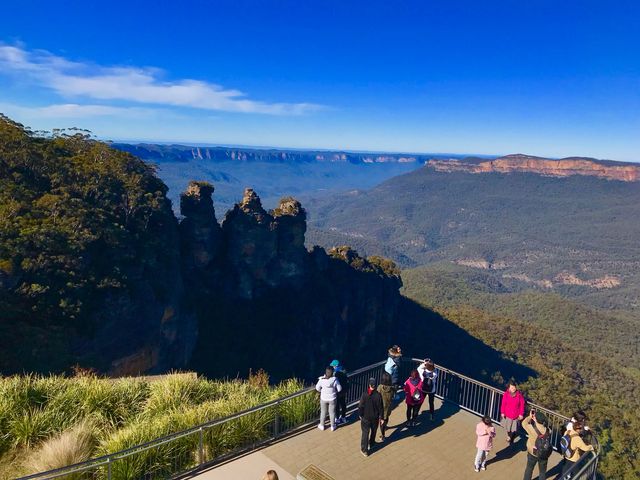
139 85
74 110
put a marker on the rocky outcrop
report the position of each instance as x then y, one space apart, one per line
565 167
269 303
200 233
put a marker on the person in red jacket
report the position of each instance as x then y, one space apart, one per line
512 410
414 396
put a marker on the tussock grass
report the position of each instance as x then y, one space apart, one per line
53 421
71 446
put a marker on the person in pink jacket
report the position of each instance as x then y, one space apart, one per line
512 410
413 396
485 432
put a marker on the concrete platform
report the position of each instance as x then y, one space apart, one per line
439 449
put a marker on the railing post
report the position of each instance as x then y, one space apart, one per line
108 468
276 426
492 404
201 447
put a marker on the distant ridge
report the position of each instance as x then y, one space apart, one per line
548 167
186 153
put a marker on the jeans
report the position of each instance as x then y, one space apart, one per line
431 397
567 466
342 404
412 412
481 457
531 463
369 429
332 412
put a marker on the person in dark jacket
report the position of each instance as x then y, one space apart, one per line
370 412
341 374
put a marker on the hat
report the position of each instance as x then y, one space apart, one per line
372 382
541 418
335 363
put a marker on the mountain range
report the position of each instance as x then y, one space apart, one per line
574 234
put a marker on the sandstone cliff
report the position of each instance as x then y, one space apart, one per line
543 166
269 303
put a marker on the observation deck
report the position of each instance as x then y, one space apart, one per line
282 435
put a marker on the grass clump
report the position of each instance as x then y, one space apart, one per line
53 421
71 446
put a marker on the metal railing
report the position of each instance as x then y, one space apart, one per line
204 445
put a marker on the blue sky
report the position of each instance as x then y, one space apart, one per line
541 77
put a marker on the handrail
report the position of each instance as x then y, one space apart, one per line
469 394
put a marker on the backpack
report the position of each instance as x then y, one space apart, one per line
342 377
542 448
565 446
427 382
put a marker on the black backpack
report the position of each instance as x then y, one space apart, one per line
542 448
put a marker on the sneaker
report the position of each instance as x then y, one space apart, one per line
364 454
321 427
333 429
382 438
483 468
476 468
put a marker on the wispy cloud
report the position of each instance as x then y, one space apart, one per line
132 84
74 110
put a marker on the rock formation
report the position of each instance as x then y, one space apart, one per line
199 230
564 167
269 303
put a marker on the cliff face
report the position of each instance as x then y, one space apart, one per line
96 271
90 266
543 166
183 153
272 304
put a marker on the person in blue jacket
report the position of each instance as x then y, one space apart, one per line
392 367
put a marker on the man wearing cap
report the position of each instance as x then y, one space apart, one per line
341 406
370 411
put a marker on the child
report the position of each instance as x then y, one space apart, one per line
485 432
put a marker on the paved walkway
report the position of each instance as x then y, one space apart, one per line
439 449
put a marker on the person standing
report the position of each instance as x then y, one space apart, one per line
370 412
576 446
392 367
538 444
485 432
328 386
581 417
341 374
428 374
512 410
387 392
413 397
